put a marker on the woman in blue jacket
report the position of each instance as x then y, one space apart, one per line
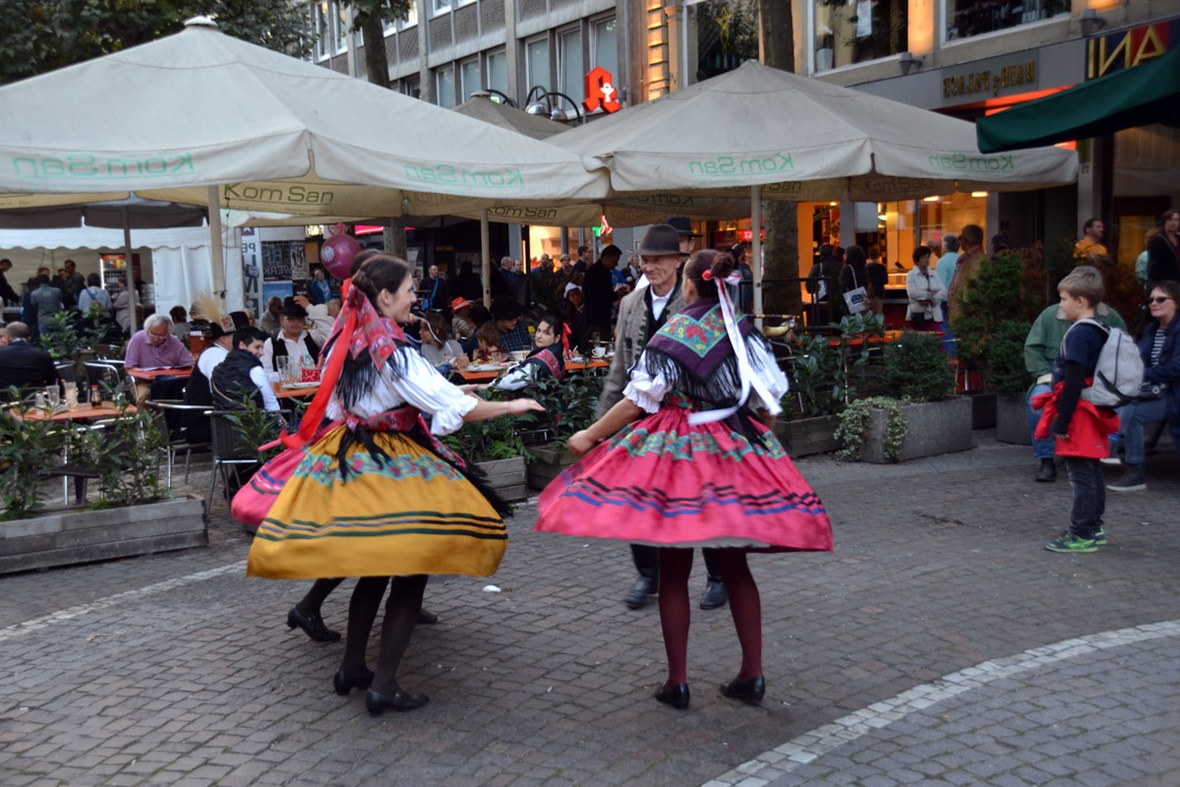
1159 346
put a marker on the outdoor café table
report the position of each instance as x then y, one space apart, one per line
299 390
81 412
486 372
145 377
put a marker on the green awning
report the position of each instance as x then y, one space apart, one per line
1138 96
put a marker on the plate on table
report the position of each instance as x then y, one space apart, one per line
301 385
483 367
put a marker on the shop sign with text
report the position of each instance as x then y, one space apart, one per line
984 79
601 92
1128 48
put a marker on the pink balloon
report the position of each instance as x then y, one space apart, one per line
336 254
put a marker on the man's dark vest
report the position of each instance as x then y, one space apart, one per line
231 383
280 350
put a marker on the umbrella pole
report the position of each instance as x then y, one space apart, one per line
485 249
216 250
756 248
130 270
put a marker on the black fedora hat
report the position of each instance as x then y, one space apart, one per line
659 240
683 225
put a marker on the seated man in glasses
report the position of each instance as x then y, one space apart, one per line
155 347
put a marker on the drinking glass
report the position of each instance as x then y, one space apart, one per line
71 394
52 397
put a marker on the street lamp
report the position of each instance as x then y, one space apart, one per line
907 62
1090 22
544 106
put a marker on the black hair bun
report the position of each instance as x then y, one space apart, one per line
722 266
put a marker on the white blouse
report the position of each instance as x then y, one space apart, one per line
648 391
420 386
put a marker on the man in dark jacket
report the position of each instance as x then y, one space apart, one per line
7 294
598 292
821 282
22 364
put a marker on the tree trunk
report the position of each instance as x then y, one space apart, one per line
377 71
781 293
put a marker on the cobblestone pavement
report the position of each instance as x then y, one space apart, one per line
939 643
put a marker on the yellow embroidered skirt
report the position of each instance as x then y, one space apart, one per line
410 513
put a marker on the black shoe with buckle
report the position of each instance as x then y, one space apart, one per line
312 625
715 595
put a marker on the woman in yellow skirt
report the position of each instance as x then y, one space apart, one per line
378 495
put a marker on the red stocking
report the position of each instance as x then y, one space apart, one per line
675 566
745 605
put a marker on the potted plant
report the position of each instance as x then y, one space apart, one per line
496 447
825 374
916 417
1008 376
569 407
131 516
1000 293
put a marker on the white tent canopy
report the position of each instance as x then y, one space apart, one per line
181 258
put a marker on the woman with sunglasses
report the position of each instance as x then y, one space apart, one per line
1159 346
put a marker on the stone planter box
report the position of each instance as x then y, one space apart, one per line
808 436
547 463
932 428
983 410
60 538
1011 425
507 476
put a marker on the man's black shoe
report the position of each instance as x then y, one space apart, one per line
715 595
1048 471
637 598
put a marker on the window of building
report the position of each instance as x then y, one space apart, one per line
569 62
536 62
497 78
412 87
604 46
321 29
966 18
444 87
469 80
342 31
439 6
853 31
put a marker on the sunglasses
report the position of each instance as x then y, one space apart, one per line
1159 300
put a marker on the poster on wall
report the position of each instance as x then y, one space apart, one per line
251 272
276 289
284 261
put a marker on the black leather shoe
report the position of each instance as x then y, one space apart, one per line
676 696
312 625
1048 471
427 618
638 597
345 682
399 701
715 595
749 690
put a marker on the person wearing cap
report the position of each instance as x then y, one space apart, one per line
293 340
461 327
598 292
688 454
514 334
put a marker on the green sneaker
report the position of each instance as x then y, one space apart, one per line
1100 538
1068 542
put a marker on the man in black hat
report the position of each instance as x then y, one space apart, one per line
641 314
598 292
293 339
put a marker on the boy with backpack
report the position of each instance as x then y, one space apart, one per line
1090 376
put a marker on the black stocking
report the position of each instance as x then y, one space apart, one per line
311 603
362 611
401 615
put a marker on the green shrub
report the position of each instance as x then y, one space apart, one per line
916 368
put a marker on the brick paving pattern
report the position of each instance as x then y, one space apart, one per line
176 669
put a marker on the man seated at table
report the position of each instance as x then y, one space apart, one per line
23 365
155 347
294 340
240 377
514 334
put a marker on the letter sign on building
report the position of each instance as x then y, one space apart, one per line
600 92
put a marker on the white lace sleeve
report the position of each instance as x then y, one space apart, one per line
766 368
644 389
423 387
516 378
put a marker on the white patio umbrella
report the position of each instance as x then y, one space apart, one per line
766 133
203 118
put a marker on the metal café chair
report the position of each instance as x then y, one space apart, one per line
108 376
231 451
161 410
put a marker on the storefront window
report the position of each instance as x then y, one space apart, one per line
853 31
966 18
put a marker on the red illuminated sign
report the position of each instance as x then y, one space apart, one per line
600 92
